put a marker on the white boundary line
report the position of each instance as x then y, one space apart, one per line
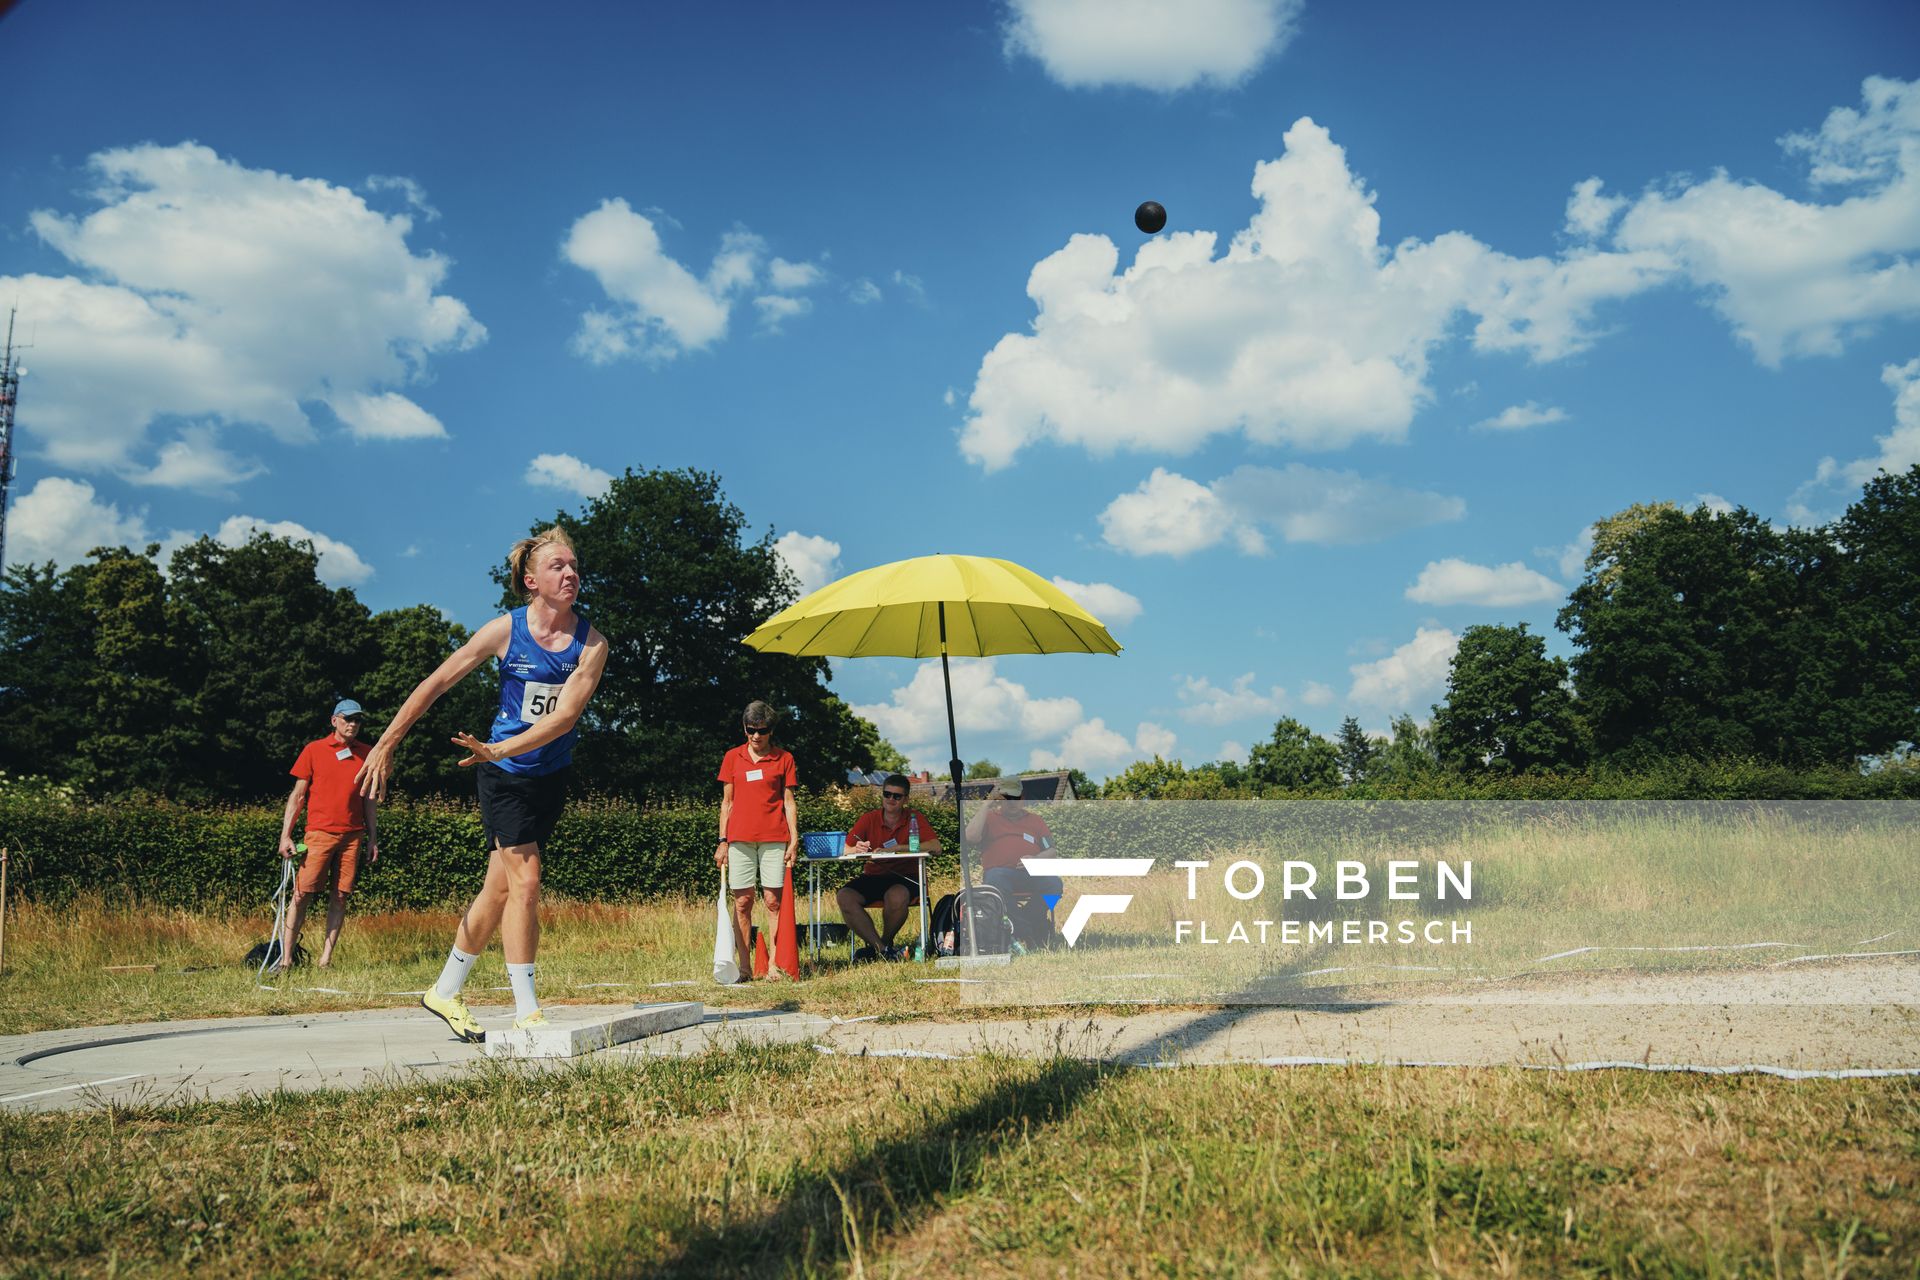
1841 955
68 1088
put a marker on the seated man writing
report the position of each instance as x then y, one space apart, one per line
887 882
1004 830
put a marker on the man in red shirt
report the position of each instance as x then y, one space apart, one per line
890 882
1004 830
340 821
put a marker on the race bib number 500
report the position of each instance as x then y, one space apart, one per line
537 700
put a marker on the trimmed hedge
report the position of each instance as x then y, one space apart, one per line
432 851
611 849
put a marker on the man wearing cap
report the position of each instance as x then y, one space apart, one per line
1004 830
340 821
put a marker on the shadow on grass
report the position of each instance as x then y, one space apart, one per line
841 1203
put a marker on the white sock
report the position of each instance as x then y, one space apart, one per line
454 976
524 1001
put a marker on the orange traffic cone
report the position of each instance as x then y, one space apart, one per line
759 953
786 937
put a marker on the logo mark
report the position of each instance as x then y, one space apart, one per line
1091 904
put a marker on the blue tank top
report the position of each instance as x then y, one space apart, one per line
530 680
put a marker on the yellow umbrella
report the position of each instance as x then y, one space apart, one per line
970 606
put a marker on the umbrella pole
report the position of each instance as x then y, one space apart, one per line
955 768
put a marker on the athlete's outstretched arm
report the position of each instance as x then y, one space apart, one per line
568 707
489 641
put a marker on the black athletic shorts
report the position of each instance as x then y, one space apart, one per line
873 887
517 809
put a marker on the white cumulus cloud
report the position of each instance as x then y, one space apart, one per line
777 308
340 565
659 307
789 277
1899 449
1306 331
1114 607
1454 581
564 471
1413 675
197 461
1315 694
1093 746
387 416
662 308
815 561
1204 702
1571 558
220 294
983 701
1521 416
1172 515
61 520
1796 277
1149 45
1589 213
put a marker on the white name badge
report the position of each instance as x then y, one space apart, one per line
538 699
754 775
890 844
1027 837
343 753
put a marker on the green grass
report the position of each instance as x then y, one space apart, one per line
1658 889
777 1160
64 966
1816 878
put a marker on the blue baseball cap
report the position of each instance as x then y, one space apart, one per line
347 707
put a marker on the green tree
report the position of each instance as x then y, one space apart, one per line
1356 751
1233 776
407 645
1507 708
1409 755
276 648
1294 759
1084 788
1860 691
888 758
671 578
136 734
1691 634
983 769
1145 780
46 659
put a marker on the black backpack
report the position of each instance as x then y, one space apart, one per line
979 909
1032 927
268 953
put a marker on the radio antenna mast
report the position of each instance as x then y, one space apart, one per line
9 395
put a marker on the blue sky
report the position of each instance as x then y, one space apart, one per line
1441 286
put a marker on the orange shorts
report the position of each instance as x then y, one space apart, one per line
325 851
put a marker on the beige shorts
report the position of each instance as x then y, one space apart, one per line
761 862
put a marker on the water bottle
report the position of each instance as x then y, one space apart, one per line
913 833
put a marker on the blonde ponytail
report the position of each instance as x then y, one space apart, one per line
520 560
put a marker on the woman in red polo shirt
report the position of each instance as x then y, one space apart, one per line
759 826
